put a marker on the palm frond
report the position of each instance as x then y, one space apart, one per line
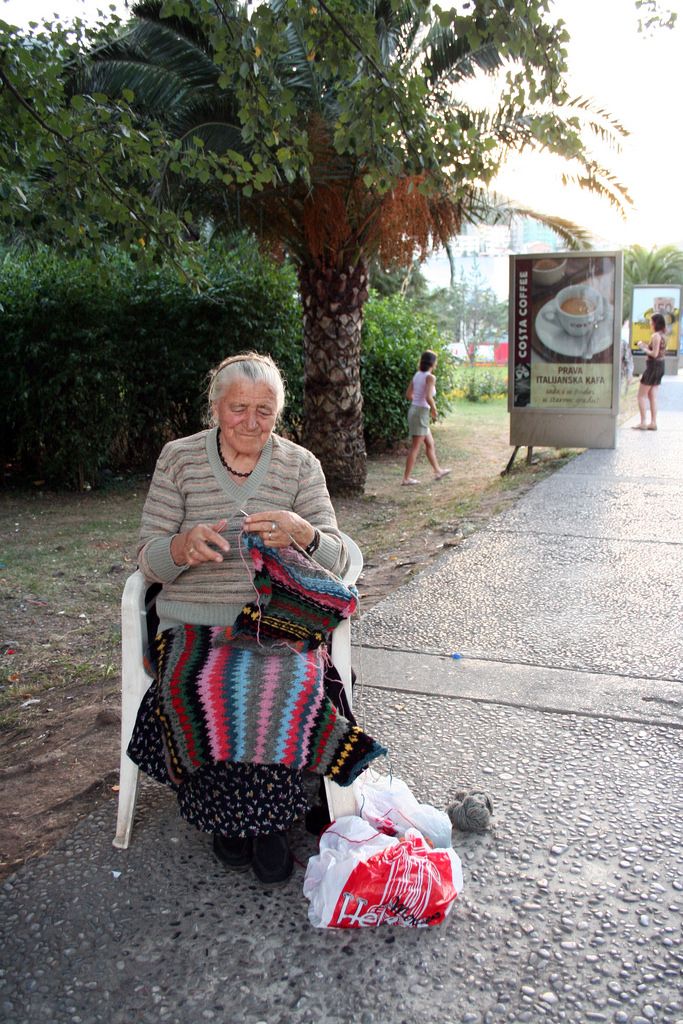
450 57
162 44
398 25
297 69
660 265
217 136
156 89
573 235
189 28
160 66
408 16
485 206
587 106
591 177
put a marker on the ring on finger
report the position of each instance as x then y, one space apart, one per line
273 527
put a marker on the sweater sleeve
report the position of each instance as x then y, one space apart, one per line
313 504
162 516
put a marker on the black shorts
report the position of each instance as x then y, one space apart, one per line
653 373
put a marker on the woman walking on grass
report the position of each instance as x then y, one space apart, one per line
420 393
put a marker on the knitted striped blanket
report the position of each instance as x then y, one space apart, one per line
296 599
224 699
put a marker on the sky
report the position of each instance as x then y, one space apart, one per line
634 77
637 79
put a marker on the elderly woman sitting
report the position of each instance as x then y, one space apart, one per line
217 500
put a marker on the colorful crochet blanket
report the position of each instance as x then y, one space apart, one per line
297 599
224 699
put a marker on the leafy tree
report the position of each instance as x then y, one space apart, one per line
652 16
663 265
468 312
408 282
73 169
339 132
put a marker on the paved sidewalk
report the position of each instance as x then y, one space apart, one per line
567 706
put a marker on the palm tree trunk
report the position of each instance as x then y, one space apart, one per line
333 303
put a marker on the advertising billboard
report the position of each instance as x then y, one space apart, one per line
656 298
563 310
565 322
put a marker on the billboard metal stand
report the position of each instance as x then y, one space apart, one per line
530 460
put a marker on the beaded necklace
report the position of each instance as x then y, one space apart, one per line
220 456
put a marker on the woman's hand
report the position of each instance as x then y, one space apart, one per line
192 547
279 529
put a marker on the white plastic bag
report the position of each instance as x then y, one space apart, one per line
388 804
362 878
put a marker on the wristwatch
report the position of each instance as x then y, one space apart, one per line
315 543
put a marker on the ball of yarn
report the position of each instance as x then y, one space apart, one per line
471 811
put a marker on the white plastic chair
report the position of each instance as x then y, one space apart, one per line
135 682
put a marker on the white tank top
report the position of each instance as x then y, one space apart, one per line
420 389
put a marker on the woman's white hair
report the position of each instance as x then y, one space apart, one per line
250 366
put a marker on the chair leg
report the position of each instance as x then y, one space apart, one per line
341 800
128 794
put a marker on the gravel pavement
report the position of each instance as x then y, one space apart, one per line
566 707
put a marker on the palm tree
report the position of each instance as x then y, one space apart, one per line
660 265
388 196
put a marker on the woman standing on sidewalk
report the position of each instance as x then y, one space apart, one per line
420 393
654 371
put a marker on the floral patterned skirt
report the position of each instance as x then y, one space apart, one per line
230 798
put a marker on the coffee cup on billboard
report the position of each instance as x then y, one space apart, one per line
548 270
577 309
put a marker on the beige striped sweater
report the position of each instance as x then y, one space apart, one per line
190 485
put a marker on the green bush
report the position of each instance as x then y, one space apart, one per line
63 398
476 383
395 334
104 363
248 303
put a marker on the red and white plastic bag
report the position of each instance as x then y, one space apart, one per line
362 878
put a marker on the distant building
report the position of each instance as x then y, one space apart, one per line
527 235
485 248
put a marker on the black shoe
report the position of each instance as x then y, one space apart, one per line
234 853
272 861
317 819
